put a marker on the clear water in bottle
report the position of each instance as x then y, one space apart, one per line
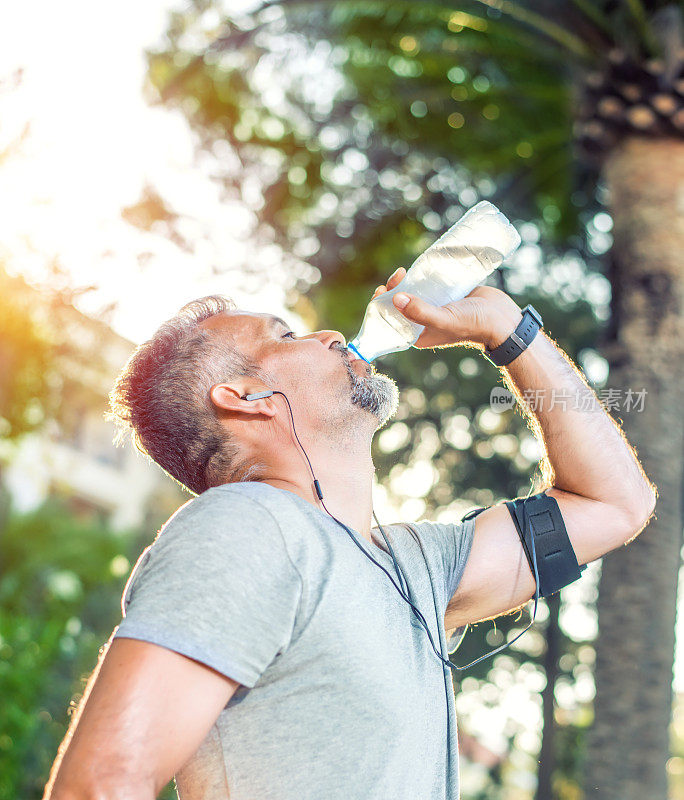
447 271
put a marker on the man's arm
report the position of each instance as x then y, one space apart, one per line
594 474
145 711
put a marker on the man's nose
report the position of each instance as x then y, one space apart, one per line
328 337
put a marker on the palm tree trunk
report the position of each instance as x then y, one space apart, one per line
628 745
547 753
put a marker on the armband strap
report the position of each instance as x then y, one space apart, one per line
556 560
474 512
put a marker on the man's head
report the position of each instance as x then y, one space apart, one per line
181 392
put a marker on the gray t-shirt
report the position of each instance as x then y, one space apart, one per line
342 695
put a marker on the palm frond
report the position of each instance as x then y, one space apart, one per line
638 12
599 19
559 34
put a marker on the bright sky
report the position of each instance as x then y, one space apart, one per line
93 145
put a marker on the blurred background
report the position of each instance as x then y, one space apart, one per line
292 155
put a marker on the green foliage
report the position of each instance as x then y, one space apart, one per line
444 98
26 354
60 590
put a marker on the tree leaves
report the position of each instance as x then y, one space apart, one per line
25 357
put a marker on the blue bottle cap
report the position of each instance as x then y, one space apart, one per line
350 346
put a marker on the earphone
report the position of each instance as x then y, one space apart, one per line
421 619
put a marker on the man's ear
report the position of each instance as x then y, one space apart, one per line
230 398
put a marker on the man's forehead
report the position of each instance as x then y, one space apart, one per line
238 320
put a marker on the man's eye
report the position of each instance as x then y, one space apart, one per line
289 333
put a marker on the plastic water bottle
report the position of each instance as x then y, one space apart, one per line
447 271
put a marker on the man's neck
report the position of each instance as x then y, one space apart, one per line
345 476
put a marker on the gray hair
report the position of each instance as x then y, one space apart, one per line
162 398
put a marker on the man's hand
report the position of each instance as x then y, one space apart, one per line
487 316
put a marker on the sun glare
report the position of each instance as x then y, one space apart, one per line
83 144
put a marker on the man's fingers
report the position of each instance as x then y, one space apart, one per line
417 310
396 277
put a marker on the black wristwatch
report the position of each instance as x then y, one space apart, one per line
519 340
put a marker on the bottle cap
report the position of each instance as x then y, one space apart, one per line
350 346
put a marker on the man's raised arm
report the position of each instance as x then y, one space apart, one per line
603 494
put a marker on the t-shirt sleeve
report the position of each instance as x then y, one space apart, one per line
447 547
217 585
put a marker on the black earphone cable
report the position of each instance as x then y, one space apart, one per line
418 614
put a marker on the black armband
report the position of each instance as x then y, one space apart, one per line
556 560
539 515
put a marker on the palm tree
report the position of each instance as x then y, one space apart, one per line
569 105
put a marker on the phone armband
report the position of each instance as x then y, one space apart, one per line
540 516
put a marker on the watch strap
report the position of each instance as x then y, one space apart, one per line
519 340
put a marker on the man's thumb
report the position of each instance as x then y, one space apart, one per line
416 310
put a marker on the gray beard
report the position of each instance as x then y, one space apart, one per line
375 393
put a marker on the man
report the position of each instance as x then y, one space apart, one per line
261 655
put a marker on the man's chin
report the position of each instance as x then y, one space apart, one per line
377 394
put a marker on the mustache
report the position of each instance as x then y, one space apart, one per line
344 352
341 349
